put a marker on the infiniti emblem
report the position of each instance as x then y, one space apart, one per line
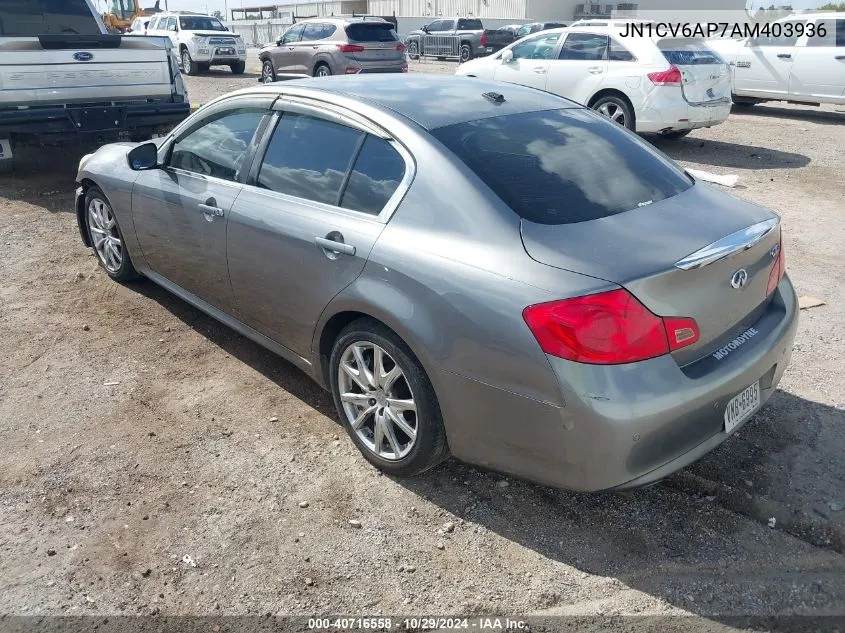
83 56
739 279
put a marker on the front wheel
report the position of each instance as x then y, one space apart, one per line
106 238
268 73
385 400
616 109
188 65
238 68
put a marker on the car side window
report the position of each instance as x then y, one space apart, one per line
153 24
435 26
170 24
584 46
293 34
539 47
447 25
833 34
618 53
309 158
218 147
313 32
376 175
523 31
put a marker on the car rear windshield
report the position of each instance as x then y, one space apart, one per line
563 166
371 32
200 23
31 18
688 53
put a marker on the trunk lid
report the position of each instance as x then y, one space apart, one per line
705 76
378 39
640 249
91 69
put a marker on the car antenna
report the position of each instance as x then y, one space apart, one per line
494 97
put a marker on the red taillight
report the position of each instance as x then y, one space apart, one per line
350 48
484 38
401 48
778 268
671 77
608 328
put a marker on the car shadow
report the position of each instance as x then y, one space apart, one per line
730 155
225 72
807 113
698 540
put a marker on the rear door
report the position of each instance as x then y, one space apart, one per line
581 66
304 225
380 43
818 71
180 211
764 65
530 63
705 76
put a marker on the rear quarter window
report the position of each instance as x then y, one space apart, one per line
371 32
563 166
688 53
470 25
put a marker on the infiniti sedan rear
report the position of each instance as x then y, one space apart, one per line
470 268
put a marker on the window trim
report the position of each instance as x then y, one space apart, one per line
329 112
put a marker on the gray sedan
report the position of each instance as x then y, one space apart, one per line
468 267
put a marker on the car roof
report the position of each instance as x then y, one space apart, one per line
431 101
368 19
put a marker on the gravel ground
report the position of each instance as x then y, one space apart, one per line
157 462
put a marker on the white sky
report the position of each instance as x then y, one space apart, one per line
212 5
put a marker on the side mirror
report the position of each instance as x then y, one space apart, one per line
143 157
507 56
424 29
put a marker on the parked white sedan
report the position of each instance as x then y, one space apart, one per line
666 86
799 59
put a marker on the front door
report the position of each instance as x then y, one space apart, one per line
530 63
284 55
580 68
180 211
303 230
818 71
763 65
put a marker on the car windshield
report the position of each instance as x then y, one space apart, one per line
371 32
31 18
563 166
200 23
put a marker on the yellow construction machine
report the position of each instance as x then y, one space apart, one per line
121 13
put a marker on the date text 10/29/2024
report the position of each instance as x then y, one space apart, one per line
423 623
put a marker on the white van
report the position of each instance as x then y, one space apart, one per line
801 59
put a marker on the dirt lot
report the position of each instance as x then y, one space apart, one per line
138 432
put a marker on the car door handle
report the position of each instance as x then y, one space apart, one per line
209 209
334 246
784 56
540 70
596 70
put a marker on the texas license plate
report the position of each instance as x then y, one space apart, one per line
742 407
5 148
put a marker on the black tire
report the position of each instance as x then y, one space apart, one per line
238 69
321 70
413 49
429 448
739 102
140 135
614 104
466 53
126 271
189 67
675 135
267 71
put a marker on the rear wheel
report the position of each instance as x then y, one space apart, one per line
413 50
322 70
466 53
385 400
188 65
268 73
743 102
238 68
616 109
106 237
676 134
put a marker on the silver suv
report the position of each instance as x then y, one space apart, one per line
335 46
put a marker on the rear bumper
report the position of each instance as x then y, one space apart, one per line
622 426
664 109
43 121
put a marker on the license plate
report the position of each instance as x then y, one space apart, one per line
225 51
742 407
5 148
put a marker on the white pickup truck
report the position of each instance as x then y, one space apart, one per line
64 79
799 59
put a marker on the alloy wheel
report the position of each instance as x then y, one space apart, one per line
412 50
186 63
105 235
612 111
267 72
377 400
322 71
